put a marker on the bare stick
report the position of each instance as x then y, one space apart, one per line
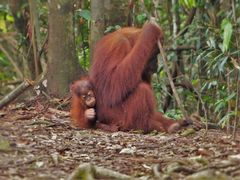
12 95
171 80
22 87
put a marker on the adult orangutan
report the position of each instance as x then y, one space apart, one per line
123 62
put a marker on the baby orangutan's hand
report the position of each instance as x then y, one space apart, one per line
90 113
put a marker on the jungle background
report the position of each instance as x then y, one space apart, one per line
46 45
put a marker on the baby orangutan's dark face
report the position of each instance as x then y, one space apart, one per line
89 98
84 90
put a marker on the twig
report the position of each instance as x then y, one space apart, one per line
12 95
22 87
171 80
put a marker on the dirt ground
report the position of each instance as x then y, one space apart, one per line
37 142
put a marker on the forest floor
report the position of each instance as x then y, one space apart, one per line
37 142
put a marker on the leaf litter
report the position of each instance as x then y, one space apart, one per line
38 142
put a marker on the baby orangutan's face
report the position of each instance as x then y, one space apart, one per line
89 98
84 90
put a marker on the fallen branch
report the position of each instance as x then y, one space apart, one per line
22 87
171 80
12 95
88 171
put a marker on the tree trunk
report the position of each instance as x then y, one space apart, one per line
97 23
63 66
106 13
35 37
116 12
21 20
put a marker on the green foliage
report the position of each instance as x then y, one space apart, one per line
82 19
148 4
220 109
3 61
85 13
226 118
141 18
5 18
227 30
214 34
174 114
84 56
188 3
6 72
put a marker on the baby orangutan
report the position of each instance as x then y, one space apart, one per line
82 111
